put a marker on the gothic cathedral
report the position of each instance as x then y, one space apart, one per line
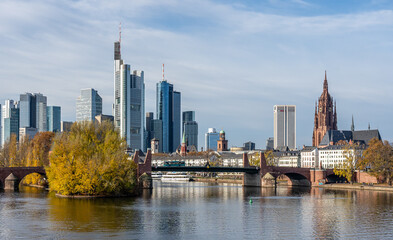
325 115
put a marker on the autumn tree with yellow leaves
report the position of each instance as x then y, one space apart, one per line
378 159
352 154
91 160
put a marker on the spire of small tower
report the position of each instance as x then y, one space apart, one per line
325 83
352 125
184 138
368 126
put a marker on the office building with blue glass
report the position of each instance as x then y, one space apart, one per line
168 106
53 116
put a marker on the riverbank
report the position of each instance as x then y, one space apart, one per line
357 186
218 180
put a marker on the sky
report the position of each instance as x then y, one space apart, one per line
231 60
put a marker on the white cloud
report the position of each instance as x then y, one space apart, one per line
231 64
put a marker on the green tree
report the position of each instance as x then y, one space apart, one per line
91 159
378 159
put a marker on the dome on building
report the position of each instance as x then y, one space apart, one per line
222 131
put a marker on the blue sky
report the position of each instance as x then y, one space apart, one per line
231 60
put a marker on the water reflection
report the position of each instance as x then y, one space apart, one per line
200 210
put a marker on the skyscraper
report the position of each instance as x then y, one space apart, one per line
169 111
1 126
285 126
9 121
53 114
325 117
156 132
88 105
176 120
211 138
32 111
129 102
148 133
190 129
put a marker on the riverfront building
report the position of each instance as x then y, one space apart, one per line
309 157
211 138
53 116
285 126
88 105
129 102
168 107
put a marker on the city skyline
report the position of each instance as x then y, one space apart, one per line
274 53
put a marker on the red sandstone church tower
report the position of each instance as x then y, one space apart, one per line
325 115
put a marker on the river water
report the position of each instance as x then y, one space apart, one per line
200 211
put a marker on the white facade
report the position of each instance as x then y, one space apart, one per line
288 159
285 126
88 105
309 158
332 156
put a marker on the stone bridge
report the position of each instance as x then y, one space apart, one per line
261 176
10 177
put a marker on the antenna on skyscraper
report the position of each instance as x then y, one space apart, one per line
119 36
163 79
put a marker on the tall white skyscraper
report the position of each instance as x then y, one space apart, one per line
88 105
129 102
285 126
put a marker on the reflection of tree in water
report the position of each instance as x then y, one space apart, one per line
86 215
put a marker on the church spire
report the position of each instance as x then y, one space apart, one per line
325 83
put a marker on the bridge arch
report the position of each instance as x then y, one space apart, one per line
333 178
294 179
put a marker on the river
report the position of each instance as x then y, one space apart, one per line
197 210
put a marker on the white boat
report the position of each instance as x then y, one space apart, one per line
156 176
176 177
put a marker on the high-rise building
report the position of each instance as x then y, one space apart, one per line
53 116
148 133
211 138
129 102
176 120
65 126
156 132
168 110
270 143
285 126
33 111
190 129
88 105
104 118
249 146
325 117
188 116
1 126
9 120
